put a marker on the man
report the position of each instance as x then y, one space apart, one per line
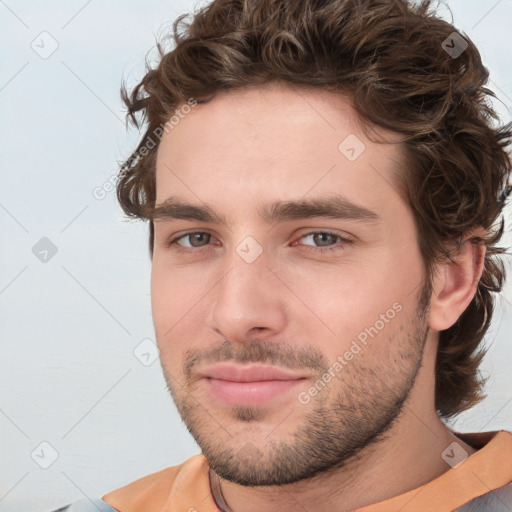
324 190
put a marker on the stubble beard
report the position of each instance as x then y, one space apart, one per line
342 423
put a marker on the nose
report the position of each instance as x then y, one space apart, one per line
248 301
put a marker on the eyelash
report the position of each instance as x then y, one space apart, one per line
336 248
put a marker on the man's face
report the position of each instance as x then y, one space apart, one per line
326 334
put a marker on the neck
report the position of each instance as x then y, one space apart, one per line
388 469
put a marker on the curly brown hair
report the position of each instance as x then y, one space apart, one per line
391 58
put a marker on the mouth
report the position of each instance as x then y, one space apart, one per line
249 385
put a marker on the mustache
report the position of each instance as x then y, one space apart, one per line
256 351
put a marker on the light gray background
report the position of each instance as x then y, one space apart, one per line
69 326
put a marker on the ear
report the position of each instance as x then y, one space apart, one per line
456 282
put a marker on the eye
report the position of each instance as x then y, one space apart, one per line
196 240
325 237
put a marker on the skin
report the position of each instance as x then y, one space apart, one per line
358 440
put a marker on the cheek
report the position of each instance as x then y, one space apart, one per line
176 305
342 303
167 301
161 296
165 306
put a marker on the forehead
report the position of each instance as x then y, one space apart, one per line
276 142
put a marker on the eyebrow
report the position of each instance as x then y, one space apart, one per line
335 207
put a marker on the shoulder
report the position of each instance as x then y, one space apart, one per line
493 501
494 462
150 493
147 493
86 505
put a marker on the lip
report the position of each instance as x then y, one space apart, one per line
249 385
249 373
